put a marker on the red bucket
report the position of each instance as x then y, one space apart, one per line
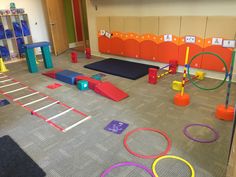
88 53
74 57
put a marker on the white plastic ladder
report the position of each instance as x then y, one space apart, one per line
43 97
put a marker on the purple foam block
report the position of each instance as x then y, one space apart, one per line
116 127
4 102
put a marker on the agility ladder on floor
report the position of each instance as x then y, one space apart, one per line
7 81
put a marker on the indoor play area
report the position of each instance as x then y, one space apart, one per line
117 89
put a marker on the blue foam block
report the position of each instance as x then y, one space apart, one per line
67 76
37 44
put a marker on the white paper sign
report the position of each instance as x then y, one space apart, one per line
102 32
190 39
168 37
108 35
229 43
217 41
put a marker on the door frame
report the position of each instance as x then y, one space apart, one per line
82 23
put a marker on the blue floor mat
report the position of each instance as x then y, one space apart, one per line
126 69
14 162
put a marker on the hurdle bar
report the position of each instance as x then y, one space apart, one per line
164 74
194 77
165 67
177 85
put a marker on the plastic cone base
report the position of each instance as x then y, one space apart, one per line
2 66
3 70
223 113
183 100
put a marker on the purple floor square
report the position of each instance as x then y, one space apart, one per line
116 127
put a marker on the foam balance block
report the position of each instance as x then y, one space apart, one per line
83 85
97 77
108 90
31 58
67 76
52 73
91 82
200 75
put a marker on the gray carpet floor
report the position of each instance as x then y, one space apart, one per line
87 150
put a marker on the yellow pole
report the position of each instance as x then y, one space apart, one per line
185 70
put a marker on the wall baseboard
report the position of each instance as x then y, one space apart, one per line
78 44
209 74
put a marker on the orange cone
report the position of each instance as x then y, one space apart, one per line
224 113
181 100
2 66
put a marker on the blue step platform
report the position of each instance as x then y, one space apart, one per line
31 58
67 76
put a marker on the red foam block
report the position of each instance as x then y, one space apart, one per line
108 90
152 75
92 82
51 74
54 86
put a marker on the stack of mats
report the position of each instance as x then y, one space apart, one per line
105 89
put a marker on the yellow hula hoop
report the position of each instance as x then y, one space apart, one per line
171 157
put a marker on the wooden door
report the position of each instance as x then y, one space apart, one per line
57 25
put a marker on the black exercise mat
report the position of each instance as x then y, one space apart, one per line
14 162
121 68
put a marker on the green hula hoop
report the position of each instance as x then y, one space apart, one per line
217 56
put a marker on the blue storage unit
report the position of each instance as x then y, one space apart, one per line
8 33
20 44
25 28
17 29
67 76
14 34
4 53
2 35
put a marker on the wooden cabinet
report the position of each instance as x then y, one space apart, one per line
14 33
